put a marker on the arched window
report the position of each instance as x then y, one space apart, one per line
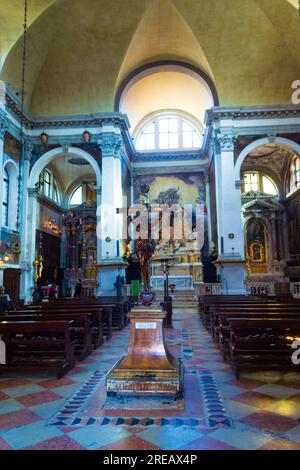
76 197
168 132
258 183
5 198
295 174
48 185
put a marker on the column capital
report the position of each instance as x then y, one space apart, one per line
225 143
3 125
111 144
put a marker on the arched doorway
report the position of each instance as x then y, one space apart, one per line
54 224
270 198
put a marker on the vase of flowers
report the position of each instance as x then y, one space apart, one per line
172 288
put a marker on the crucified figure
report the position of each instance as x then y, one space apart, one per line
144 252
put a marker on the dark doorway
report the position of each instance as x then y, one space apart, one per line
11 281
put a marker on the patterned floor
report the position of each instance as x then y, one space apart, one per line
259 411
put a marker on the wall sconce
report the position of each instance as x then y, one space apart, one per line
51 224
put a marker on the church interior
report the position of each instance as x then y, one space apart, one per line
180 118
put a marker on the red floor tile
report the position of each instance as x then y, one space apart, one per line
4 445
246 383
17 418
270 422
56 382
38 398
3 396
131 443
57 443
14 383
281 444
258 400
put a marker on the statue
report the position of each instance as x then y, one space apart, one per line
120 281
144 251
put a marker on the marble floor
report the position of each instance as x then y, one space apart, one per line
258 411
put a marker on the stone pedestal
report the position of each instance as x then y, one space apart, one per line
148 368
232 272
108 269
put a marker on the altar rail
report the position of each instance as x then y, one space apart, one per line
208 289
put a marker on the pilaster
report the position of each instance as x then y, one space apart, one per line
110 263
231 244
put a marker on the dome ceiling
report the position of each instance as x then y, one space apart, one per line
79 52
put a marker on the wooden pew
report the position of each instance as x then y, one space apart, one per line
81 333
101 326
97 324
208 303
117 308
262 343
247 309
208 317
222 333
38 345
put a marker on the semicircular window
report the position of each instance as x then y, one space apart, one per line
168 132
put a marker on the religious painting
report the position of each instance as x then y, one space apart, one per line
10 247
184 188
175 189
12 147
256 241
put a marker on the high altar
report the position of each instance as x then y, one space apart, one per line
185 266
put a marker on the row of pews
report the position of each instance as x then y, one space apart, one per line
52 336
253 332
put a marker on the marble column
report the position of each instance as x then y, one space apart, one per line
27 225
28 245
208 207
231 244
110 263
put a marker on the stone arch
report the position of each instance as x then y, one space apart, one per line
257 143
47 157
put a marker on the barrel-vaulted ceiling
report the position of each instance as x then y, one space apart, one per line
80 51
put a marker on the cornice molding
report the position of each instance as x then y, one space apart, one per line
165 156
251 112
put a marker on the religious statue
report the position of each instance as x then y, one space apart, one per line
144 250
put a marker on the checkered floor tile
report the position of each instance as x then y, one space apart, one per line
258 411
